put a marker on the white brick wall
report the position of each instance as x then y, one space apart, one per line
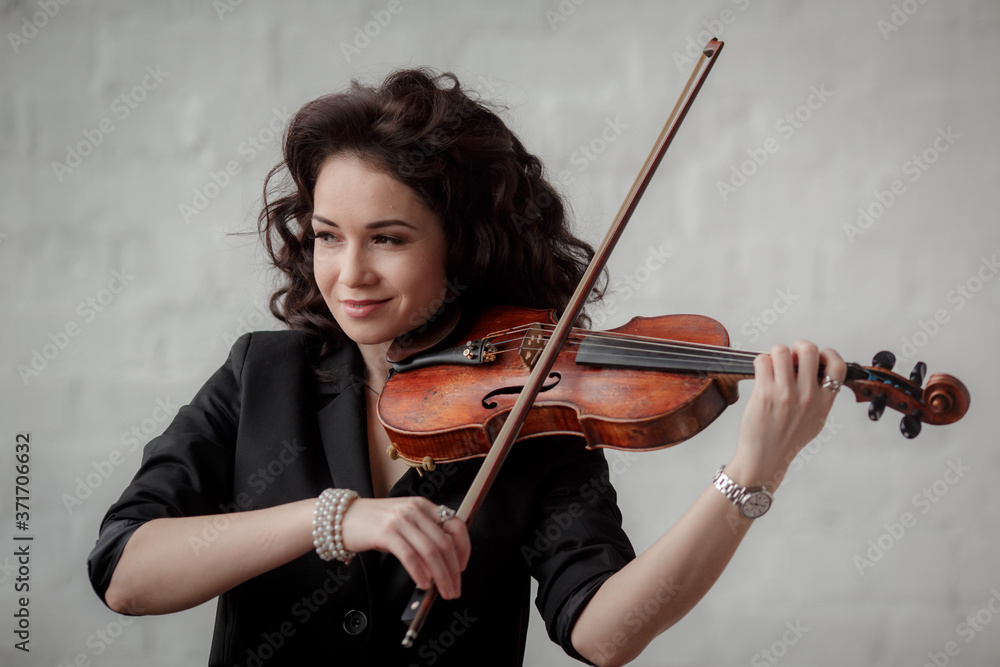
185 287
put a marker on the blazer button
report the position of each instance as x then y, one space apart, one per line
355 622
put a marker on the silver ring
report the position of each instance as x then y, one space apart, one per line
445 513
832 385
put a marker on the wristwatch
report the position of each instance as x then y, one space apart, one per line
753 503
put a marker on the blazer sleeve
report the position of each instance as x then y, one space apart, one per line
186 471
579 542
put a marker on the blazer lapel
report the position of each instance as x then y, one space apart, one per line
343 422
343 428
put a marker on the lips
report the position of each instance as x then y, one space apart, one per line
363 307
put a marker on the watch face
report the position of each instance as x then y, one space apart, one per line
756 504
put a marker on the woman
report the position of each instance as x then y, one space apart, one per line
401 198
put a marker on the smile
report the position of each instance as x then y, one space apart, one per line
362 308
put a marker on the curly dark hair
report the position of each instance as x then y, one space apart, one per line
509 240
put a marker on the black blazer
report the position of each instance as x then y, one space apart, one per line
263 431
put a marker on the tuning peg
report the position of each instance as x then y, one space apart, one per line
910 426
877 407
884 359
917 374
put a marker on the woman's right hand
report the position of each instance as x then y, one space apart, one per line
411 530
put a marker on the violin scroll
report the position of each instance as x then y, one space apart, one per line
944 399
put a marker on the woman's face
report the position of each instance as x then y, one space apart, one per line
379 255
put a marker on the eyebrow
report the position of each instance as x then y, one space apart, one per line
379 224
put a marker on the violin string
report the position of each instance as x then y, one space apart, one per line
514 335
695 350
713 351
670 345
514 339
683 350
713 362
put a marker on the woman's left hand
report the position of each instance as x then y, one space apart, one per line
787 408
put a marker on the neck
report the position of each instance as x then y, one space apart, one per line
376 367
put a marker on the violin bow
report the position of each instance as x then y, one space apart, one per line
420 604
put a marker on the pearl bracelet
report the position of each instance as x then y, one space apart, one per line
327 521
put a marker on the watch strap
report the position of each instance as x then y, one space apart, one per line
732 490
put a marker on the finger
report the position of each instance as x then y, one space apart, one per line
435 548
424 561
459 534
401 527
763 369
784 368
408 528
410 559
833 366
806 358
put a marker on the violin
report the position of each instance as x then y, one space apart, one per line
649 384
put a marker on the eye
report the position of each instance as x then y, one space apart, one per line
384 239
325 238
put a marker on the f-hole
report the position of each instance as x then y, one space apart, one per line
489 405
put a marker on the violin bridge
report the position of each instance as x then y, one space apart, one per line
531 346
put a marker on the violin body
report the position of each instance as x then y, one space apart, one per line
648 384
453 412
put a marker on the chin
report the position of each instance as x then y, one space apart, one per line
366 335
372 340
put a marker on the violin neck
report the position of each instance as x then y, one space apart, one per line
677 356
643 354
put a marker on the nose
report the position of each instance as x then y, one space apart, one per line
355 268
